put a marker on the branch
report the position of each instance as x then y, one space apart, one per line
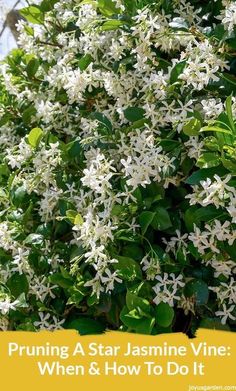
11 19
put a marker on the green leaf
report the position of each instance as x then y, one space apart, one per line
71 215
77 294
211 143
161 220
198 289
145 326
47 5
44 229
22 301
112 24
134 114
208 159
230 164
85 61
5 118
19 196
35 136
32 14
164 314
18 284
228 104
117 210
92 2
213 324
61 281
78 219
127 268
215 129
103 119
176 71
135 302
169 145
107 7
130 6
195 215
74 149
27 114
192 128
205 173
138 124
32 67
134 321
86 326
34 239
91 300
145 220
133 251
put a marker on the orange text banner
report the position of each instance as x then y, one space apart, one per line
118 361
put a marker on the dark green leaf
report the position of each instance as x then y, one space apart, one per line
32 67
197 289
164 314
134 114
85 61
145 219
61 281
176 71
128 269
18 284
205 173
161 220
104 120
86 326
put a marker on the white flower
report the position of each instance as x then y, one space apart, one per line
41 288
226 313
176 243
18 157
6 305
215 192
6 240
167 288
20 261
87 14
232 209
47 322
202 64
47 203
97 176
109 279
228 16
226 268
43 323
212 108
96 284
187 304
194 147
151 266
143 161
